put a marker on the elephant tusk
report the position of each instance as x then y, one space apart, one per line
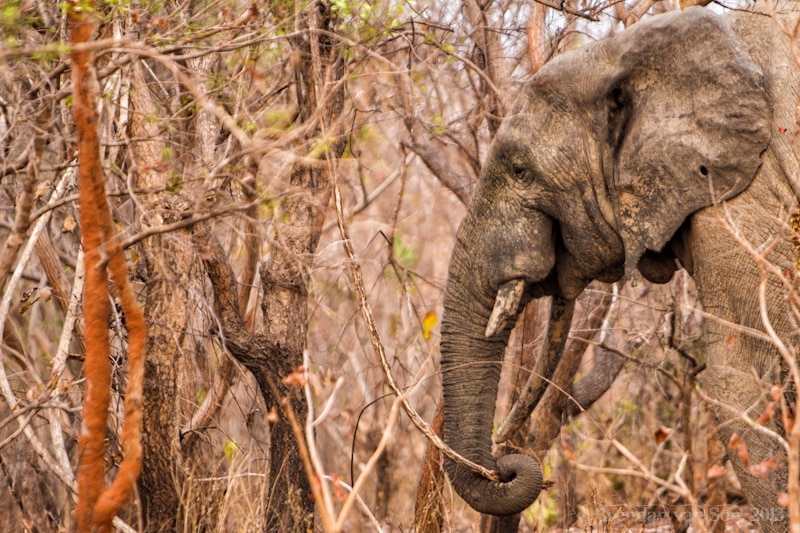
505 305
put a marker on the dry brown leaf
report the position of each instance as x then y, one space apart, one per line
716 472
296 378
783 499
766 416
42 188
762 469
738 445
69 224
775 392
662 433
45 293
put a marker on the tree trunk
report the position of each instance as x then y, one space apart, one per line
163 475
173 281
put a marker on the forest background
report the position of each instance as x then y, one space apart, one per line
286 179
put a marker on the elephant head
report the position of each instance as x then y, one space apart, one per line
604 155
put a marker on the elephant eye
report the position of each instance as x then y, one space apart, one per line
518 170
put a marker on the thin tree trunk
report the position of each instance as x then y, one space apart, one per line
168 263
284 276
98 506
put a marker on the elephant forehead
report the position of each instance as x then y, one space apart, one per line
538 139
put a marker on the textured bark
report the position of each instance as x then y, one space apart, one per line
168 263
438 165
490 56
268 362
23 208
284 275
162 475
277 350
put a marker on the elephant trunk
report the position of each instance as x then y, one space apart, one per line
471 364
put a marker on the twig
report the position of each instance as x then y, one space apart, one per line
329 404
286 406
564 7
61 465
377 345
632 473
22 218
361 503
742 415
327 501
374 458
686 463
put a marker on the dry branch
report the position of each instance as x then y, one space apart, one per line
377 345
561 310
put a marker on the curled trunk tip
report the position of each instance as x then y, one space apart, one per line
519 486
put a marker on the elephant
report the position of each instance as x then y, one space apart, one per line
669 145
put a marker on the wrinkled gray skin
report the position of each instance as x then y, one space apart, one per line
624 156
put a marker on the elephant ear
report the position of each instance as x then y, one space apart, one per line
686 119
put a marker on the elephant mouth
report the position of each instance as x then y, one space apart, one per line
506 304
